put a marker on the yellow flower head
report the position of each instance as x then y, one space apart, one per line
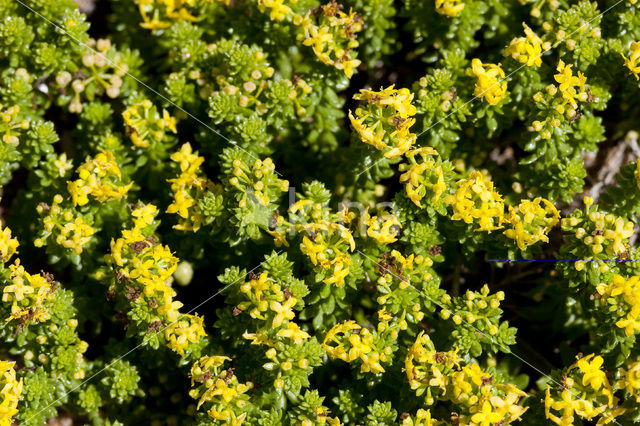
475 199
385 123
572 87
349 342
383 229
531 221
633 61
450 8
188 329
219 390
422 175
99 177
333 37
10 391
490 84
145 125
527 50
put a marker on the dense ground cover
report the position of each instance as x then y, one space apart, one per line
291 212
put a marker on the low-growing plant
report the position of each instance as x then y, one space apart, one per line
289 212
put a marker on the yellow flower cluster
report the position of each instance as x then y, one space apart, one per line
188 329
397 272
450 8
490 83
571 86
633 61
423 176
10 391
187 188
9 123
103 69
479 308
327 244
422 418
99 177
64 225
28 294
584 391
348 341
330 32
334 38
267 301
386 121
527 50
141 261
160 14
622 297
278 10
630 379
256 181
145 125
475 199
220 390
384 229
531 221
444 376
608 234
561 102
8 244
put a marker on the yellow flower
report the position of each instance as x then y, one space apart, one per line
531 221
633 62
630 379
386 122
219 389
283 311
527 50
623 231
486 416
384 229
627 294
475 199
188 329
420 177
333 38
10 391
353 345
28 294
187 188
8 245
99 177
63 164
278 10
569 83
294 333
490 84
340 272
592 374
145 125
450 8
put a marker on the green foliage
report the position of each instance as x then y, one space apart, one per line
280 212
